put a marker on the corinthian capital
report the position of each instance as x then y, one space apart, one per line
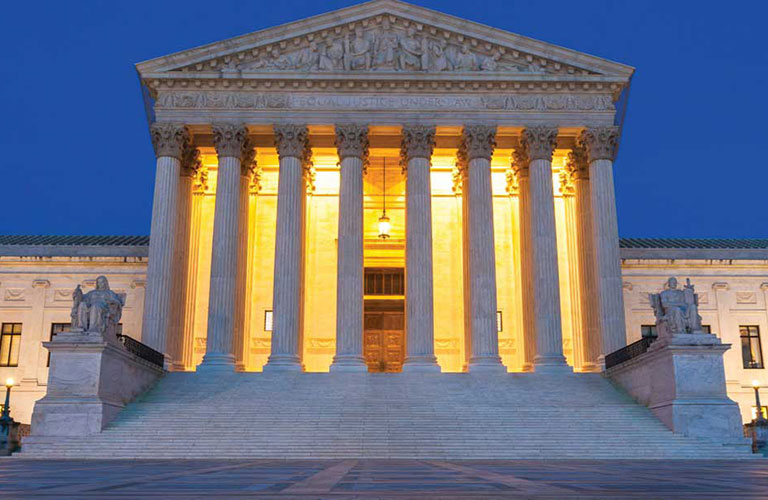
478 141
578 162
352 141
418 142
539 142
231 139
291 140
600 143
169 139
190 161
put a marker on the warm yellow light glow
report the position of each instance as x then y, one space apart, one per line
9 382
756 384
384 226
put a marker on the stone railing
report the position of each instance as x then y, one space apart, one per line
91 379
681 378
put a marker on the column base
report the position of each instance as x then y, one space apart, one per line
283 363
486 364
217 363
349 363
551 365
421 364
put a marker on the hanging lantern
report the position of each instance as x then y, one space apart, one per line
384 224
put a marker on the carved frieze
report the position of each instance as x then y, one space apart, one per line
169 139
383 43
14 295
257 100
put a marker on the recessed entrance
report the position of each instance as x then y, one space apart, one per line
384 335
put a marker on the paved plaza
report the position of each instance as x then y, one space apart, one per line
368 479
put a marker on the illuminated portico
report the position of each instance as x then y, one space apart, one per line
487 214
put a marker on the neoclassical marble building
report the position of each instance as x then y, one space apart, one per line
279 153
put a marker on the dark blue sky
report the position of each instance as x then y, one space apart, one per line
76 156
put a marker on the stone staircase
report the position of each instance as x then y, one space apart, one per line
435 416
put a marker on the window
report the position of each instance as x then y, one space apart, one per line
384 281
57 328
648 331
706 328
267 321
751 351
499 324
10 342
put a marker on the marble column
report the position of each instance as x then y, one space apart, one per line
234 149
591 342
352 147
416 151
177 331
240 338
199 187
520 170
169 141
600 144
538 143
476 149
292 142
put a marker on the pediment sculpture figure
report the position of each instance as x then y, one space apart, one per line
676 310
385 48
98 311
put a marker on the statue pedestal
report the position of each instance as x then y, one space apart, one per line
89 382
682 380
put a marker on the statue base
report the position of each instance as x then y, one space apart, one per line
90 380
682 380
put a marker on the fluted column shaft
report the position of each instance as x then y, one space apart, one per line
234 149
242 269
352 146
600 144
526 262
190 300
539 143
475 153
590 334
416 151
177 327
292 147
169 140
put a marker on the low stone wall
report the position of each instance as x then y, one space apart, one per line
682 380
89 383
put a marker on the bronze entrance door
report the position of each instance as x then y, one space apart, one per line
384 335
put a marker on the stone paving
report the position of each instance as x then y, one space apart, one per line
379 479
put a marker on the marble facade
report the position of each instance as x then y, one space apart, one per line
271 148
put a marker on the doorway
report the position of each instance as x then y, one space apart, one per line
384 335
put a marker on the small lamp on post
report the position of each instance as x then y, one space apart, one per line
9 438
6 415
759 414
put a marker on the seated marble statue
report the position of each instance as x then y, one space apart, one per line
676 310
97 311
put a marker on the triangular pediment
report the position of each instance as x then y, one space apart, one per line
384 37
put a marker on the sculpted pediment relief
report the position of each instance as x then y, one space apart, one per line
382 37
384 44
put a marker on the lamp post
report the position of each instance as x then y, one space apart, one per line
759 414
6 415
